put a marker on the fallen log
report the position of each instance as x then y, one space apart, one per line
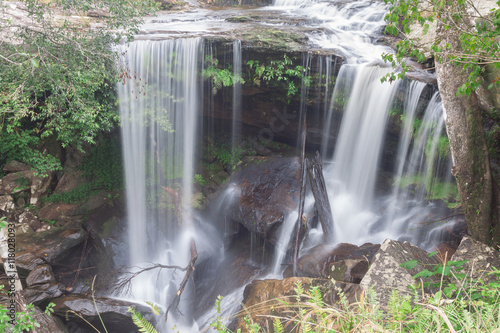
315 170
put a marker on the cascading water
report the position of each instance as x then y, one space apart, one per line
415 179
161 107
236 126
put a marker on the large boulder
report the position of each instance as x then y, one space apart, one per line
41 274
261 193
59 212
7 203
263 299
42 293
479 259
27 181
15 166
47 323
28 218
342 262
386 275
114 312
46 247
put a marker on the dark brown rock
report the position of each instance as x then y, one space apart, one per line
69 181
41 274
47 246
261 296
58 211
47 323
113 312
41 293
264 191
343 262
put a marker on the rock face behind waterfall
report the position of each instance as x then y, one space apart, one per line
266 190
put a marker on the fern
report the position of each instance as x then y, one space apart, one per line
278 326
316 296
142 324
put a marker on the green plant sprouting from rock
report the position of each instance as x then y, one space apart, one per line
278 73
220 77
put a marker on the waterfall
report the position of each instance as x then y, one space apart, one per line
236 126
419 167
160 96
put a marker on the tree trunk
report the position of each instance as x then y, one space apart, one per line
477 187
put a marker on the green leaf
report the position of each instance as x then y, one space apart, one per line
409 264
425 273
457 263
34 62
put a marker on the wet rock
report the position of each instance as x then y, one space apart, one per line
386 274
39 294
113 312
479 258
262 193
47 323
48 246
261 296
7 203
41 274
15 166
343 262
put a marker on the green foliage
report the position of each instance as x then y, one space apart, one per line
279 73
461 306
220 77
142 323
276 73
103 166
21 145
24 321
477 34
226 156
57 79
436 189
198 179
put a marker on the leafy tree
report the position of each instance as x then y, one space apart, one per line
465 47
57 72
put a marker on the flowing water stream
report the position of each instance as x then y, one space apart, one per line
160 103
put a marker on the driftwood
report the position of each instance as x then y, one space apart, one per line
303 179
189 271
315 170
125 282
